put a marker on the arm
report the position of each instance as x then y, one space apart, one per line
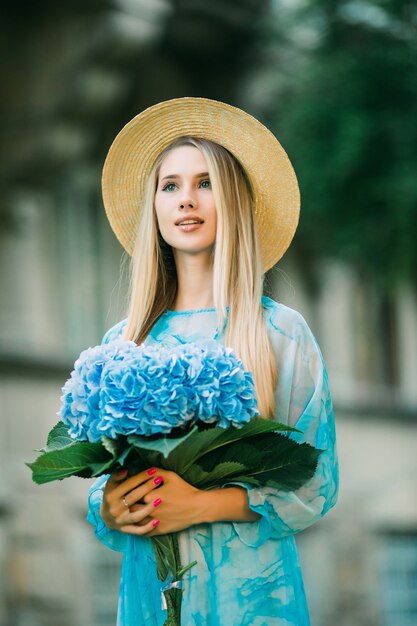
158 501
226 505
111 538
303 400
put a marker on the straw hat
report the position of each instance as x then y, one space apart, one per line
134 150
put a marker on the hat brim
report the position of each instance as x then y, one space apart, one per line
135 148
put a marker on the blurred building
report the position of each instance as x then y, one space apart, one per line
78 74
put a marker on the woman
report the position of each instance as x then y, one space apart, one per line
205 200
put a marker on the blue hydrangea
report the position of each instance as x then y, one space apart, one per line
120 388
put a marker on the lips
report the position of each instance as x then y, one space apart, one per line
194 218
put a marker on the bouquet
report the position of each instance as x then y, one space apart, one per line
191 409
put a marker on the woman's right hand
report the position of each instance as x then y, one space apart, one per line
121 507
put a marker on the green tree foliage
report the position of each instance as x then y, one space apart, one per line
348 114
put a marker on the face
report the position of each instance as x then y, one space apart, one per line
184 193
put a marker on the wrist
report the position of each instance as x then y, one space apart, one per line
228 504
205 505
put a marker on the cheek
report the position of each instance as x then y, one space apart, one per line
161 218
164 224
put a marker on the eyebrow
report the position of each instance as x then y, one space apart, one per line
178 176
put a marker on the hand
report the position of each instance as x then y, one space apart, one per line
120 509
153 509
181 506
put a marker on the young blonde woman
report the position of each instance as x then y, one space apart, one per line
205 200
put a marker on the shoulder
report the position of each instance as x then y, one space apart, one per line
114 332
288 326
282 317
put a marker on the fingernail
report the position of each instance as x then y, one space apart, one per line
122 472
158 480
155 522
157 502
151 471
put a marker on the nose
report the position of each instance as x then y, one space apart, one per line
187 200
188 204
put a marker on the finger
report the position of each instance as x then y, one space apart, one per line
145 520
137 507
117 476
138 512
143 492
134 481
134 513
127 517
144 529
140 516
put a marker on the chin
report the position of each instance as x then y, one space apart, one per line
192 249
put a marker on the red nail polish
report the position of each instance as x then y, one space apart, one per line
155 522
157 502
158 480
122 472
151 471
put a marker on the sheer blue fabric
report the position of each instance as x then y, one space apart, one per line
247 573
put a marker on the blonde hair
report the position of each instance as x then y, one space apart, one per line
237 268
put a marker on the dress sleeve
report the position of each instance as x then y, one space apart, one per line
303 400
113 539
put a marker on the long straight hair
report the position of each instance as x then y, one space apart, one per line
237 268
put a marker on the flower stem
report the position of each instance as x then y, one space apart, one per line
170 572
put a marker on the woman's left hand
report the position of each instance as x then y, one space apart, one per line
180 507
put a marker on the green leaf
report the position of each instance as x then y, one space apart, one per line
72 460
293 469
195 475
294 464
58 438
185 569
97 469
125 453
163 445
137 460
248 452
268 458
119 448
260 425
166 552
221 472
111 445
204 441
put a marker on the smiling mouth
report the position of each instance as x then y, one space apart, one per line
189 222
189 227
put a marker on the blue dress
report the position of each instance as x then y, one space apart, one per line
247 573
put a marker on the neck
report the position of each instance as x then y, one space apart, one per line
195 282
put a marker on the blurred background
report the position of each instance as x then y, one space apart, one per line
336 81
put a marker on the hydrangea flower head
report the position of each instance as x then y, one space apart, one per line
120 388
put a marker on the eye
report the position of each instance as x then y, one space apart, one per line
168 185
208 183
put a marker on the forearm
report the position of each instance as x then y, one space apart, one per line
226 505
